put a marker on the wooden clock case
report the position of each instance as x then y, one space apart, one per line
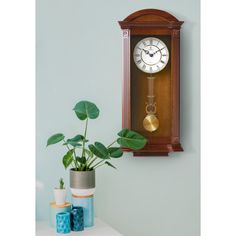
160 24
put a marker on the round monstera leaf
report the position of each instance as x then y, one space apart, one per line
85 109
131 139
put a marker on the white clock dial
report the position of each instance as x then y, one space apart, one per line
151 55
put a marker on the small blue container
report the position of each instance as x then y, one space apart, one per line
77 219
63 222
54 209
88 207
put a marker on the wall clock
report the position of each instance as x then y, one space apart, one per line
151 83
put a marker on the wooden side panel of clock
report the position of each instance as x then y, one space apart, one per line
162 90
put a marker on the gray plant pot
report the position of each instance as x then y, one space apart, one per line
82 179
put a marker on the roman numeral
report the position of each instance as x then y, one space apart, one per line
138 55
150 69
144 66
163 48
162 62
139 61
144 43
151 42
164 55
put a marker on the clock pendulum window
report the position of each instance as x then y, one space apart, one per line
151 55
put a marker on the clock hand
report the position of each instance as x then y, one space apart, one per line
146 51
156 51
152 54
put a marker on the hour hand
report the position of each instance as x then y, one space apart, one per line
146 51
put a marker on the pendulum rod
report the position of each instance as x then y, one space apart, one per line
151 122
151 96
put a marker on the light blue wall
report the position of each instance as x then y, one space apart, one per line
79 56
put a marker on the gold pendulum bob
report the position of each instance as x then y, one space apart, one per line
151 122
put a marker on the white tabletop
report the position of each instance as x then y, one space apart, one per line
99 229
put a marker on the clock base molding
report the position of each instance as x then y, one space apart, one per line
157 150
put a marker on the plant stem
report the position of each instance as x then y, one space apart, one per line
73 164
85 133
66 144
93 160
112 143
97 163
87 161
100 165
75 161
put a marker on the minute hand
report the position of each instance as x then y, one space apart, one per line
157 51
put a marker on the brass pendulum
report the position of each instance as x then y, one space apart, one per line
151 122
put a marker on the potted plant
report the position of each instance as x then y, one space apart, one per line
60 193
84 158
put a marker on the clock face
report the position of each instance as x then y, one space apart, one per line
151 55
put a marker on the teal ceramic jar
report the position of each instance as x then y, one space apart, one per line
77 219
88 207
63 222
54 209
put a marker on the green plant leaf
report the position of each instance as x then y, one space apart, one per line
77 138
56 138
86 109
131 139
74 144
68 158
115 152
81 160
109 164
99 150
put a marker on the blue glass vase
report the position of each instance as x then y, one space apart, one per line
63 222
77 219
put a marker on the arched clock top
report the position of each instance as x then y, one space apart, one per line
151 18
